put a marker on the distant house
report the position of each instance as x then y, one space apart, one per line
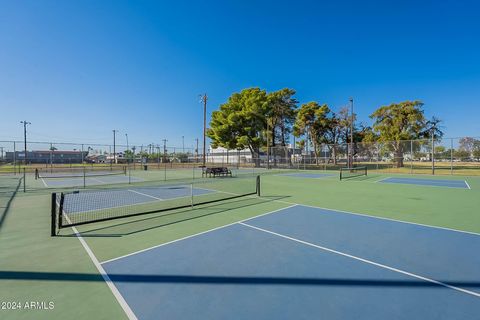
96 158
47 157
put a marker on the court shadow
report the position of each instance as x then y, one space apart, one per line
154 221
9 195
235 280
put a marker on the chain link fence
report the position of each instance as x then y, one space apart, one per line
454 156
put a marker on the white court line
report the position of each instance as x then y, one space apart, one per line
475 294
376 217
191 236
126 308
144 194
381 179
432 183
133 204
366 215
102 182
467 184
44 183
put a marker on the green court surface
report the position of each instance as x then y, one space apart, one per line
59 275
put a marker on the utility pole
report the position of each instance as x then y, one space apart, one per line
351 133
183 144
204 100
164 150
114 152
25 123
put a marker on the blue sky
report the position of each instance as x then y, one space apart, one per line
78 69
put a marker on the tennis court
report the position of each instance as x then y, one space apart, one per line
304 262
462 184
244 247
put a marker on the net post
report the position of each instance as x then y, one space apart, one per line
60 211
257 185
53 227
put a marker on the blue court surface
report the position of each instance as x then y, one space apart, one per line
104 199
306 263
428 182
89 181
308 175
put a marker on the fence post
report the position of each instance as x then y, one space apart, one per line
24 180
411 156
433 154
14 158
324 157
451 156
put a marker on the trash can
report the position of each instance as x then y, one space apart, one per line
145 167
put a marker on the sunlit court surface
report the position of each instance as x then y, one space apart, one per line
239 160
277 243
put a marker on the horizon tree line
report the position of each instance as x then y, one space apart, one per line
254 118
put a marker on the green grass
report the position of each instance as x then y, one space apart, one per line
35 266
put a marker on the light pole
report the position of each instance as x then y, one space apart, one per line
164 150
25 123
183 144
351 133
204 99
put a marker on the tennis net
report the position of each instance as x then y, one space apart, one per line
79 172
346 173
89 206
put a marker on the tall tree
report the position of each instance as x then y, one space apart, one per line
282 112
332 132
397 122
312 119
433 127
280 116
240 122
466 144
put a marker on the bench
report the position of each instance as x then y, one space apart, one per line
216 172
